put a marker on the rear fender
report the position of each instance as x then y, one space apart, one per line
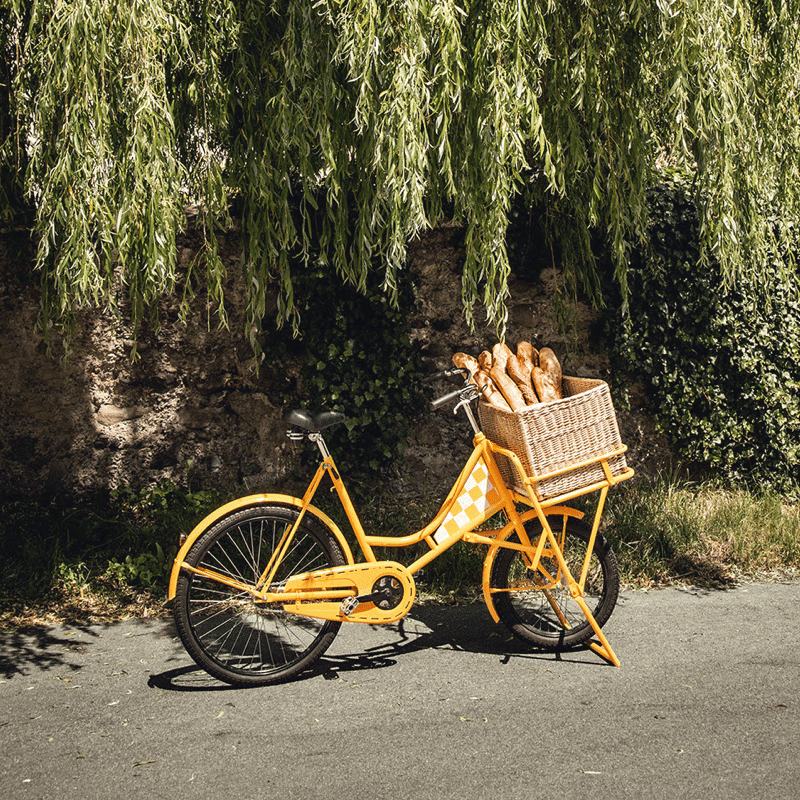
247 502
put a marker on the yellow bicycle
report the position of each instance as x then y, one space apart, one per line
261 586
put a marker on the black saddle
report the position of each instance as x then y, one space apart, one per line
314 423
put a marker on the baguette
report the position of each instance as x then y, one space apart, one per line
521 375
500 355
489 391
485 360
469 363
544 386
552 368
526 352
507 387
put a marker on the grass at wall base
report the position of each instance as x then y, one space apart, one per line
668 531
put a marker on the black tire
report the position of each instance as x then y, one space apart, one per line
529 613
228 633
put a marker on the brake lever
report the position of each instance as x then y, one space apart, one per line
469 394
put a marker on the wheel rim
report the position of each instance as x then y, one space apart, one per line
547 605
234 631
537 604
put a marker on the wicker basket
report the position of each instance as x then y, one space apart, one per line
552 436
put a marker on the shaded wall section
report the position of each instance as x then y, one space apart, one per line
188 408
192 410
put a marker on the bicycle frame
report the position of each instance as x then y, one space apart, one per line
478 494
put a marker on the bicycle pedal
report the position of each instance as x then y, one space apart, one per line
349 605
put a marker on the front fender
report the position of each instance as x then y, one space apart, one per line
493 550
245 502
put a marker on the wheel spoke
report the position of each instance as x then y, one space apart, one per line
538 606
227 631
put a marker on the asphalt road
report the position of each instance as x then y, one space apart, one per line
705 705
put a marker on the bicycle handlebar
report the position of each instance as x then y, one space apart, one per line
445 399
466 393
448 373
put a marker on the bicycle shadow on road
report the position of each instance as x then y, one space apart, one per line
461 628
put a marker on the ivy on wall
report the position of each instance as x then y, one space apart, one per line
721 357
357 358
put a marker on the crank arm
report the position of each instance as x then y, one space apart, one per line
350 604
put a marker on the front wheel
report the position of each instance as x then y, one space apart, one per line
537 605
224 628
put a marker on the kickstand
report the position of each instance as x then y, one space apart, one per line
602 648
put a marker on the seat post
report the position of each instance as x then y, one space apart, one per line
320 442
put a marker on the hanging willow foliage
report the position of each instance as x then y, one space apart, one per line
346 127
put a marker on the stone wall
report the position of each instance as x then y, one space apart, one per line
191 409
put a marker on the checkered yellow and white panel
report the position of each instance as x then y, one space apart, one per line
476 503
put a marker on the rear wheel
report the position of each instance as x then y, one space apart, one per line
225 629
537 605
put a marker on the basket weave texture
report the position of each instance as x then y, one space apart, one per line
550 436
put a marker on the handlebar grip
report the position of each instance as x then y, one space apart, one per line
445 399
448 373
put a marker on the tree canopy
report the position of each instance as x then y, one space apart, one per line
340 129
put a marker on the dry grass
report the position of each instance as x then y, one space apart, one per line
670 532
73 605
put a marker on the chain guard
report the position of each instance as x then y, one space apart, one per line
380 592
